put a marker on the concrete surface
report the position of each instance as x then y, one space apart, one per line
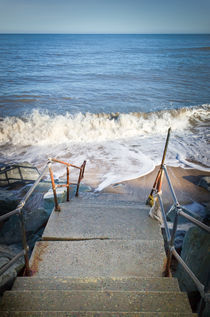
126 284
95 301
93 314
98 258
80 221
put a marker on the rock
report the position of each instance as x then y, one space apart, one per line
35 214
24 172
8 201
7 278
178 241
195 253
205 182
34 220
34 238
36 211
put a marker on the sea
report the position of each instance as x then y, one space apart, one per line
107 99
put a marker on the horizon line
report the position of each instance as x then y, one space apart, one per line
61 33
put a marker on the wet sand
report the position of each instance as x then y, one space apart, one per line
185 183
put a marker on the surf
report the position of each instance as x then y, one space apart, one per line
117 146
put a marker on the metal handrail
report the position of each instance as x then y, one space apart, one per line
19 209
181 208
179 211
54 186
7 169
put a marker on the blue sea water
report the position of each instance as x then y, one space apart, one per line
103 73
105 97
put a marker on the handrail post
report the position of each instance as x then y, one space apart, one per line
158 181
57 207
171 243
25 246
81 175
170 186
83 169
168 235
67 173
78 182
167 271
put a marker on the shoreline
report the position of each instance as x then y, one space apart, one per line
184 181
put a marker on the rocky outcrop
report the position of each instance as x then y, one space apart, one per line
195 254
11 230
8 201
6 254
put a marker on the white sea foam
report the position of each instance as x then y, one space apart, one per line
119 146
43 129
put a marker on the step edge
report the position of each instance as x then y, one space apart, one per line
101 311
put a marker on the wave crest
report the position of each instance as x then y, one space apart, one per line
43 129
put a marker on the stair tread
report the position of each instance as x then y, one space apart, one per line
107 200
88 221
45 300
98 258
93 314
67 283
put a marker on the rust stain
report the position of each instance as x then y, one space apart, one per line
166 271
39 251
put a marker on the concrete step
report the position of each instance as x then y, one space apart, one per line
106 200
98 258
78 221
92 314
80 301
121 284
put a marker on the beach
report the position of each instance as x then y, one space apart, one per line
184 181
85 120
109 100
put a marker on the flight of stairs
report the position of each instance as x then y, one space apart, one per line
65 296
97 258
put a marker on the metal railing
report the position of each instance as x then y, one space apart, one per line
54 186
19 209
179 211
6 174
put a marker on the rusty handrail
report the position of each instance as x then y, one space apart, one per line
159 177
54 186
61 162
19 209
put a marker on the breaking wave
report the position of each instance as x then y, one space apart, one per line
44 129
109 142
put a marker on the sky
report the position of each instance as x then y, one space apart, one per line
104 16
